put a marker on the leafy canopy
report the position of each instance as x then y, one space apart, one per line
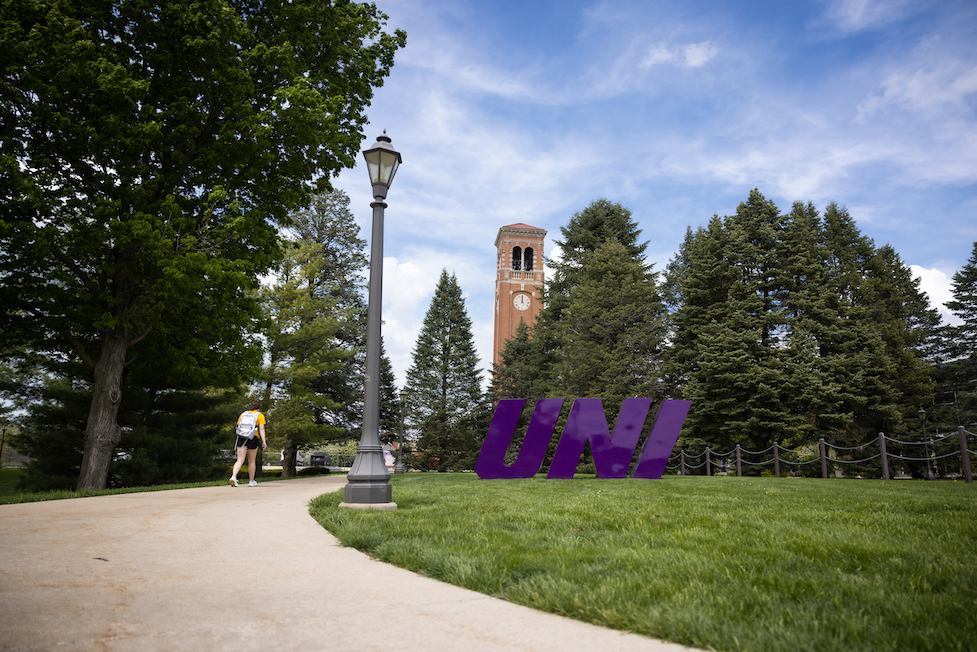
147 151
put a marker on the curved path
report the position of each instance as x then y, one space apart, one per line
218 568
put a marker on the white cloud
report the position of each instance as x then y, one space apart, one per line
407 290
698 54
691 55
850 16
925 91
938 287
798 166
409 283
451 61
658 54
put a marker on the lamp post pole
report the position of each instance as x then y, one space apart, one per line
368 481
929 468
399 467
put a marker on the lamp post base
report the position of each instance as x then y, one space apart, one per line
378 506
368 481
367 493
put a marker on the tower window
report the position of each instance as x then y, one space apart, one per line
528 257
517 258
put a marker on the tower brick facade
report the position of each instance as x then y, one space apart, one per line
518 281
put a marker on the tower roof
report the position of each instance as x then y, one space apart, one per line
533 231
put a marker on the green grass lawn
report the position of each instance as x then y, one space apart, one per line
722 563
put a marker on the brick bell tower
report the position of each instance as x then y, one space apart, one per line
518 281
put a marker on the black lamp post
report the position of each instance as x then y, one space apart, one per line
404 395
929 468
368 481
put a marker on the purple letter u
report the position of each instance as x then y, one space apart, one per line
491 461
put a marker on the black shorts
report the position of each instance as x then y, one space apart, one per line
252 443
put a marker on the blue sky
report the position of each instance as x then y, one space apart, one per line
528 111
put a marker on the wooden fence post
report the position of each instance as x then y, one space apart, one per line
739 467
776 460
708 461
885 460
824 460
682 458
965 456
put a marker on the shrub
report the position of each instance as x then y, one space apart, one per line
311 470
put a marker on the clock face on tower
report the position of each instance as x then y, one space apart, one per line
521 302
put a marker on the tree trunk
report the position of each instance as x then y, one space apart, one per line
288 464
266 405
103 433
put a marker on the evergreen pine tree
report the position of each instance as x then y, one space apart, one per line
173 412
793 327
587 230
301 346
908 326
389 398
601 222
518 373
964 306
173 430
175 436
52 432
612 330
329 223
852 358
447 404
698 281
746 369
958 378
812 322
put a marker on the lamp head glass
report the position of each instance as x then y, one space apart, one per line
382 161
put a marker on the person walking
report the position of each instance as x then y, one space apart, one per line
248 445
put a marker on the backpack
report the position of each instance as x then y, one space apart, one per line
247 424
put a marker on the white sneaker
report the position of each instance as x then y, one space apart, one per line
233 481
253 483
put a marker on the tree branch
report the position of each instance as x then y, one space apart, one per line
79 348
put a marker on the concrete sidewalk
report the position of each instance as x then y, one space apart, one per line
170 570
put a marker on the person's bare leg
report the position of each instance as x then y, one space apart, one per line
238 464
252 454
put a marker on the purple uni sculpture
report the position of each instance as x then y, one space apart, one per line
587 422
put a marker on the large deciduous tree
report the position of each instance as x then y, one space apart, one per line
146 151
